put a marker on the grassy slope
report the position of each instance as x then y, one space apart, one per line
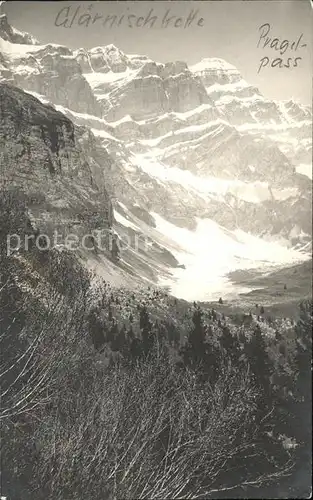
270 289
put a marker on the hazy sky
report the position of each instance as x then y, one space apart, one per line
230 31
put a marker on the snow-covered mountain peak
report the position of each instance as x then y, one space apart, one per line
50 70
137 60
110 51
102 59
213 64
214 70
13 35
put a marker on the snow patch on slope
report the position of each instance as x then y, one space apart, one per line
96 78
187 130
213 64
18 50
305 169
210 253
253 192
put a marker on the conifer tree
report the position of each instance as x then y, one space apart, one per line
198 353
259 363
230 345
135 349
146 330
130 333
96 330
113 331
115 251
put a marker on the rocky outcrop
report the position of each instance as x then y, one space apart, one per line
6 74
138 86
42 154
7 32
185 92
52 71
296 111
141 97
136 60
102 59
156 89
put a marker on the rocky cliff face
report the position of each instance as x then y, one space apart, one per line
143 93
41 153
11 34
102 60
50 70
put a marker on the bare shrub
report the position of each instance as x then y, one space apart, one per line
149 432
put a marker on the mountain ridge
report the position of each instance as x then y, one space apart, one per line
187 143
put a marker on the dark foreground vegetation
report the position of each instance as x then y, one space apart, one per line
110 394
